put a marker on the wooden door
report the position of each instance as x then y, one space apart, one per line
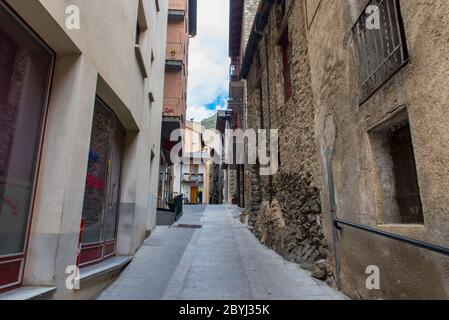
194 195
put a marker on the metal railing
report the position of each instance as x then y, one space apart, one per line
193 178
389 235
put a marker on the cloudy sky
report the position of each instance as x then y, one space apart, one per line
208 61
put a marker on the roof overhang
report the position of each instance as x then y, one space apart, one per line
193 17
169 124
260 21
235 27
176 14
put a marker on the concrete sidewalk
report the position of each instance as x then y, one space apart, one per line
220 260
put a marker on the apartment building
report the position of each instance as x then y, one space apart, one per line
81 99
381 129
241 17
182 25
191 178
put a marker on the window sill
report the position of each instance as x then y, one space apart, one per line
141 61
104 268
401 226
28 293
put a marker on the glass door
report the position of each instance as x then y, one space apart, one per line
101 197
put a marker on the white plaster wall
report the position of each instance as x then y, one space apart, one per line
97 59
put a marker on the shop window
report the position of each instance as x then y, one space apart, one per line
397 175
287 66
25 68
382 49
101 197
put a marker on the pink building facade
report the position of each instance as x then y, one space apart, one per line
181 26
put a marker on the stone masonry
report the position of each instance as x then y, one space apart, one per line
330 127
285 209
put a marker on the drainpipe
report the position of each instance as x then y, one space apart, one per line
333 208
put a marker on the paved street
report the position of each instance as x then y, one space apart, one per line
220 260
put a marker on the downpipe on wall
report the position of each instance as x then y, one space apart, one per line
263 35
333 209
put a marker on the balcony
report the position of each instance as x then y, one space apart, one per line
176 15
174 65
177 4
175 51
234 70
236 91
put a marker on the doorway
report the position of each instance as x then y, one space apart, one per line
193 194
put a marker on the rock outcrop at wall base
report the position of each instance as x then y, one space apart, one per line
291 225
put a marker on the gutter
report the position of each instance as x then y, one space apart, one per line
260 21
193 17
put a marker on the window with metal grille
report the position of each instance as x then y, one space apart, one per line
381 44
138 33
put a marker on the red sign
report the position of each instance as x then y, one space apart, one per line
13 204
94 183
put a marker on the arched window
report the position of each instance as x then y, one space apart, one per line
101 196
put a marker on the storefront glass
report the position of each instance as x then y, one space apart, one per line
101 198
25 66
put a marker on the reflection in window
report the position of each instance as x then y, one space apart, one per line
24 73
94 198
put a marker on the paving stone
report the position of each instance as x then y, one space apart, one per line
222 261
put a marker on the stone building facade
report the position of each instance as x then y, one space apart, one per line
362 139
242 13
285 208
359 127
182 26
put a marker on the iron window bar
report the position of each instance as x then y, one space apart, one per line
382 52
382 64
393 236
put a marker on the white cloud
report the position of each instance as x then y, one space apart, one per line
208 58
199 113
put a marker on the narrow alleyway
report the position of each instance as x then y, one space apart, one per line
209 254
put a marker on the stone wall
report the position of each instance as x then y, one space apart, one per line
287 217
249 12
344 135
